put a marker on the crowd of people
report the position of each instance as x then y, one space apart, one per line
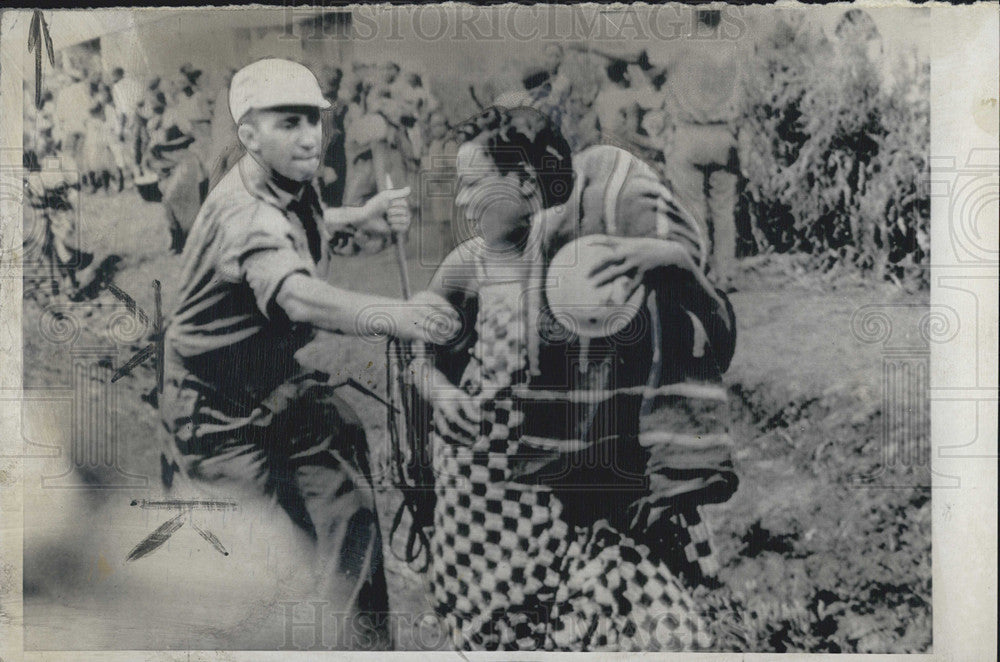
679 115
107 124
172 137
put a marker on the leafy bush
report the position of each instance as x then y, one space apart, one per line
836 156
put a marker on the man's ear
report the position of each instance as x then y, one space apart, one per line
247 133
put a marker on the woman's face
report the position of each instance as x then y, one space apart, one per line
498 207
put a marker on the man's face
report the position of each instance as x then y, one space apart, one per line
495 206
285 139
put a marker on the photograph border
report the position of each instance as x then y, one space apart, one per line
963 392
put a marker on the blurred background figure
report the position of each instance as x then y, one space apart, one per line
702 85
608 110
127 93
114 133
38 135
71 105
379 134
74 271
681 114
96 160
152 98
179 141
224 146
552 95
333 169
438 181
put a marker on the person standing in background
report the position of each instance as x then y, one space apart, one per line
126 93
224 146
552 96
608 113
70 116
114 131
333 171
181 144
96 160
702 100
147 111
437 168
690 108
377 145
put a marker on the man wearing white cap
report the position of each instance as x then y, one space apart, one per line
244 419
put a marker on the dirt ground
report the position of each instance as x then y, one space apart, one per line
825 547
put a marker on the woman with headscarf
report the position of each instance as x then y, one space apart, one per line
558 523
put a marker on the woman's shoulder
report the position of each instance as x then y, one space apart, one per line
460 270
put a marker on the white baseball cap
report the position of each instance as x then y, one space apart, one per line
273 82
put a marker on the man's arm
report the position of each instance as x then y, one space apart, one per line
308 300
256 250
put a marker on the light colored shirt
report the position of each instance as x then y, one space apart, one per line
704 81
71 108
127 93
249 237
609 106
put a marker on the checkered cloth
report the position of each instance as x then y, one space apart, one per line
508 572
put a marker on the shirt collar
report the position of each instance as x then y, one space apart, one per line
260 183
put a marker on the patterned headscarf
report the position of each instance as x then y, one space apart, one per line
524 141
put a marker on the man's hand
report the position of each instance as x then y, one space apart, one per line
392 207
427 317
